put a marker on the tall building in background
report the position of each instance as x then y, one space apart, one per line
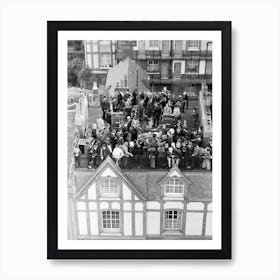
177 64
100 55
125 49
75 50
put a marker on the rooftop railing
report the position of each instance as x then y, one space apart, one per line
186 163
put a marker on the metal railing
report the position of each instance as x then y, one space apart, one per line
183 78
150 162
158 54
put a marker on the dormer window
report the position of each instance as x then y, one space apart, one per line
174 187
109 187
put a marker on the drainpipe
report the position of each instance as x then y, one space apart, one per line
206 60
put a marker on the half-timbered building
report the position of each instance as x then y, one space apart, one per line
112 203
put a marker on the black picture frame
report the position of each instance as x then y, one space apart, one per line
52 129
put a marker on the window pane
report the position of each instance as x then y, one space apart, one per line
192 66
95 47
88 47
111 219
105 46
153 43
89 61
193 44
105 60
178 45
173 219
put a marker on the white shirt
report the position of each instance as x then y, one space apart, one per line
118 153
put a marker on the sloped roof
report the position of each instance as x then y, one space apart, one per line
200 188
147 183
84 181
124 67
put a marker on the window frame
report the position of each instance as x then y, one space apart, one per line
154 64
104 46
173 186
178 45
101 64
110 221
195 66
171 212
109 194
153 48
193 47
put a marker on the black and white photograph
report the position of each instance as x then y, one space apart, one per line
140 139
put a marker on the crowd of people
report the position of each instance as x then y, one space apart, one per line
143 139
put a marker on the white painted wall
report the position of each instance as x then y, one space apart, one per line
139 206
202 66
139 222
208 229
153 222
116 205
108 172
104 205
127 224
174 174
92 191
153 205
92 205
195 206
194 223
127 206
81 205
82 222
203 45
126 192
173 204
93 223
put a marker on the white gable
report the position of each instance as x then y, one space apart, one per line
108 172
174 174
126 192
